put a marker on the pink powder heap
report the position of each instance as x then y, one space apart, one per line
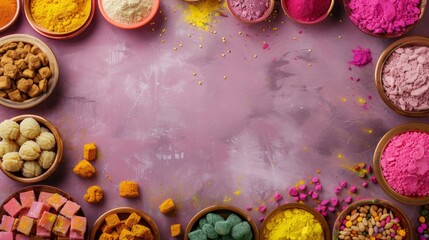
361 57
384 16
307 10
405 78
405 163
249 9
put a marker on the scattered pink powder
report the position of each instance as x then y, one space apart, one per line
348 200
361 57
277 197
343 184
249 208
315 180
353 189
405 78
265 46
364 184
307 10
262 209
384 16
373 179
302 196
249 9
261 219
334 202
405 163
318 187
302 187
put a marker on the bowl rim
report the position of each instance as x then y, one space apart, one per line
143 22
15 17
384 141
323 17
100 220
374 201
53 64
302 206
58 155
266 14
222 208
422 8
385 55
46 32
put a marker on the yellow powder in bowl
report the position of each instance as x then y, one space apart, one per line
61 16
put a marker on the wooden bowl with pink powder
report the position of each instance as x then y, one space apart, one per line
401 163
258 12
307 11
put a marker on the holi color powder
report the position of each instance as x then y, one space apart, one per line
201 14
361 57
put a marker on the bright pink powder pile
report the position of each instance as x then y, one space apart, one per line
249 9
405 163
405 78
361 57
307 10
384 16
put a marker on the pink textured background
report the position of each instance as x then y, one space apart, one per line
274 121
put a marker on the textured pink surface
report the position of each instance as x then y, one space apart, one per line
361 56
249 9
307 10
405 163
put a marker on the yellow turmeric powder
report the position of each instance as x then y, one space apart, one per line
61 16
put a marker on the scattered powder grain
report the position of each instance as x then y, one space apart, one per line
405 163
405 78
128 11
361 57
7 11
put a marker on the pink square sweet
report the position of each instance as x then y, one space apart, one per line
75 236
6 235
7 223
47 221
61 226
43 197
12 207
42 232
25 225
69 209
27 198
21 237
78 224
37 209
56 201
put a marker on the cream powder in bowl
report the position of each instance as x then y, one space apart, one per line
128 12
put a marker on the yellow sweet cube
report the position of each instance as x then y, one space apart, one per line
128 189
121 226
112 220
105 236
115 235
167 206
133 219
176 230
90 151
127 235
107 229
141 231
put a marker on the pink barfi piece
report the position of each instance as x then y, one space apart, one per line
69 209
6 235
25 225
21 237
37 209
61 226
43 197
12 207
27 198
7 223
56 201
76 236
78 224
47 221
42 232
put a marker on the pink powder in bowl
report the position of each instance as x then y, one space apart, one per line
405 163
384 16
306 10
249 9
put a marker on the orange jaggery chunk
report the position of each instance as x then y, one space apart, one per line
142 231
167 206
90 151
112 220
176 230
128 189
126 235
84 169
132 220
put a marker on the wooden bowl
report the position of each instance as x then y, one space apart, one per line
58 149
52 34
45 188
403 42
262 18
15 17
224 211
282 208
323 17
386 35
53 64
384 141
143 22
123 213
405 222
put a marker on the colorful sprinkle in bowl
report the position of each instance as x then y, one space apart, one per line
266 14
15 17
143 22
386 35
403 42
59 148
290 206
320 19
378 171
397 212
123 213
224 211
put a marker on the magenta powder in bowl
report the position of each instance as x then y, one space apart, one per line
307 11
405 163
384 16
249 10
405 78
